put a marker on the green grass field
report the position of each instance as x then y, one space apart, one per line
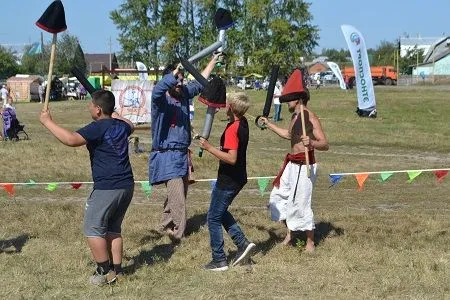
390 240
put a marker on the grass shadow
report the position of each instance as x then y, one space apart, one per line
159 253
162 253
265 246
14 245
323 230
194 224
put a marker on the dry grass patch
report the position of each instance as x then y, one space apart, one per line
391 240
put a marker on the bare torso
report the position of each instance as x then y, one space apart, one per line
295 128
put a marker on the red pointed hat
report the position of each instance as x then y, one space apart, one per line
294 90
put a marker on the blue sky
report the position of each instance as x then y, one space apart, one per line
385 20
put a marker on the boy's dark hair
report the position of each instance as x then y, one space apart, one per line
106 101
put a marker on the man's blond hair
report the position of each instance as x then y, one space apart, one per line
239 103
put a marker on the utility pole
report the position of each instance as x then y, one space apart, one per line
110 54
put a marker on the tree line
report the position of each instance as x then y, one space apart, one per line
157 32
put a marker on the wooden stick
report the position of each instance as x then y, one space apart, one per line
50 73
302 115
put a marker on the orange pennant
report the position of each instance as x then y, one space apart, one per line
361 178
9 188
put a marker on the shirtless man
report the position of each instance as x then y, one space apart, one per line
290 199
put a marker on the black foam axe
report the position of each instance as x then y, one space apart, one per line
269 96
213 95
53 20
82 79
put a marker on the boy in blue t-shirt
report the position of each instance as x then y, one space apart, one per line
107 142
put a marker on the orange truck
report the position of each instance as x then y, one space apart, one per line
386 75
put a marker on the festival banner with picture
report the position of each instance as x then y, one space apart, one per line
337 72
358 51
133 99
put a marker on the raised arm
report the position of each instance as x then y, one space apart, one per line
163 86
194 88
115 115
65 136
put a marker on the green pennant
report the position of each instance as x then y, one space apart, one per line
386 175
146 188
262 184
52 187
31 183
412 175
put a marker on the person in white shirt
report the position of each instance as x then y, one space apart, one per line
276 102
4 93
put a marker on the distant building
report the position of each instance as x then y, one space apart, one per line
95 62
424 43
316 67
436 59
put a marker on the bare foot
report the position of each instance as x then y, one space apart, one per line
309 247
287 240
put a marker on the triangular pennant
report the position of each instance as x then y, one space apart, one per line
31 183
52 186
9 188
262 184
440 175
146 188
75 185
334 179
386 175
361 178
213 184
412 175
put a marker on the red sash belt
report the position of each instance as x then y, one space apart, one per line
298 158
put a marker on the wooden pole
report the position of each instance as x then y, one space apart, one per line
50 73
302 115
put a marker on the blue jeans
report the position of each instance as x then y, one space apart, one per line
277 115
219 215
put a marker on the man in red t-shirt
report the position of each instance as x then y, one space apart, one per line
231 178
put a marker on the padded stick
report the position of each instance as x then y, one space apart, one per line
205 52
193 71
270 89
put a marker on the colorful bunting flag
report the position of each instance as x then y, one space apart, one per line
386 175
412 175
334 179
440 175
75 185
36 48
262 184
146 188
31 183
9 188
52 187
361 178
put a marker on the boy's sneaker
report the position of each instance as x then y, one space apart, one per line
244 252
99 280
216 266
